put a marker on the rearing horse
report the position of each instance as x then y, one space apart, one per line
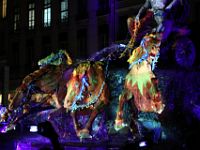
140 82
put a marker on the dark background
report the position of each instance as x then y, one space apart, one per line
90 26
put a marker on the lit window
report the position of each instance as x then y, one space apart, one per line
47 13
4 7
31 16
16 19
64 10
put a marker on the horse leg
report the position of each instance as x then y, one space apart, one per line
119 122
134 125
56 113
97 108
59 108
75 122
55 99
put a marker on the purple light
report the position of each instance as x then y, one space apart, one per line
7 127
2 110
4 130
22 146
143 144
33 142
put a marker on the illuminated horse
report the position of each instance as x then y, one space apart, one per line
87 93
140 82
49 81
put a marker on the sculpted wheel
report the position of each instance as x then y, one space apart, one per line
185 52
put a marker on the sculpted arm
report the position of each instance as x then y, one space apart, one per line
143 9
172 4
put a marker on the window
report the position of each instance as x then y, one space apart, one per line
82 43
47 13
62 38
64 10
4 7
103 7
122 31
15 66
82 9
31 16
46 45
30 63
196 12
16 19
103 36
2 39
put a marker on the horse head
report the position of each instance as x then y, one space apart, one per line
76 85
87 93
86 81
17 107
148 50
62 57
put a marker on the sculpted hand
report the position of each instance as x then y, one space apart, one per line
137 18
168 8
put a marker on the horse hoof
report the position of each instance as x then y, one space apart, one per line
78 133
2 121
119 124
84 134
49 118
65 135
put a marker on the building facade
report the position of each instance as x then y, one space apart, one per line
32 29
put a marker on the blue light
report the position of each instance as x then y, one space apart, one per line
122 45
